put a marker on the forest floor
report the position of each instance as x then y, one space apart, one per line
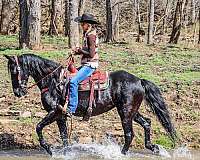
174 68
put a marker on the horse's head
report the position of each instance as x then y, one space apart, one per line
19 75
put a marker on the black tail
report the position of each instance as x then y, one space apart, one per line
156 102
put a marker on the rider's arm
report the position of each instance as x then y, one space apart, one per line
90 51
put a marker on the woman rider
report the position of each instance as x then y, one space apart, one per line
89 60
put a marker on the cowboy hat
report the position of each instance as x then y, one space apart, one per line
86 17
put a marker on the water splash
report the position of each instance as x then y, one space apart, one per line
107 150
183 153
110 150
163 152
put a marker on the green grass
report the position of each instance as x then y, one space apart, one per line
171 63
164 141
164 65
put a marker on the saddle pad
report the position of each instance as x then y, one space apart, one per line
100 80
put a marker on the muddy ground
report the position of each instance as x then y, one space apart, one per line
19 116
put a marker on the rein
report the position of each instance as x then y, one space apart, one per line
35 84
69 58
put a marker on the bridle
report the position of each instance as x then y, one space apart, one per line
20 80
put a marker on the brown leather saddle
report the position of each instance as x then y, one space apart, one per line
98 81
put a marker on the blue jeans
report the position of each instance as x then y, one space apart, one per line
81 75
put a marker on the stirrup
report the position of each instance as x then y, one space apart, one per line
65 110
88 114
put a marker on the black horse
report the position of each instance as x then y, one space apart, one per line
125 92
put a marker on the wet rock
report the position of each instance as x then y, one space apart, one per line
26 114
7 121
6 112
3 112
2 99
40 115
14 113
118 127
6 140
118 133
85 140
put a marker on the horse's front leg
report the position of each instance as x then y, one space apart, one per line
61 122
48 119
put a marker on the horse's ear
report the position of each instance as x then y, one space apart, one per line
11 58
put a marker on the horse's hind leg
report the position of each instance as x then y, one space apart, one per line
146 124
127 113
128 133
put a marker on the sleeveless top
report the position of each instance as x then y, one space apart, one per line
90 45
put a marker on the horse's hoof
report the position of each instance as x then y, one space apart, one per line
156 149
66 150
48 149
123 152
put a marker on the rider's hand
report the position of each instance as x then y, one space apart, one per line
75 50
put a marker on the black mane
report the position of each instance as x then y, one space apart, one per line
40 69
37 65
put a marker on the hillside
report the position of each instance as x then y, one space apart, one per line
174 68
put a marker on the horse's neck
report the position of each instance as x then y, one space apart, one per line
44 72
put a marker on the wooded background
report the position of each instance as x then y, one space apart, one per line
144 21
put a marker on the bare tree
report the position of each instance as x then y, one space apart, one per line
7 13
166 12
176 25
67 18
150 22
81 7
30 15
56 12
199 24
193 11
177 21
73 26
137 19
115 19
109 36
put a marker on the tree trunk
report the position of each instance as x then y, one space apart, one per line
56 11
137 19
164 28
199 24
150 22
30 15
109 36
193 12
115 20
67 18
7 8
73 26
81 7
178 21
176 29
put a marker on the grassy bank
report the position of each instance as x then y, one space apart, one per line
174 68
